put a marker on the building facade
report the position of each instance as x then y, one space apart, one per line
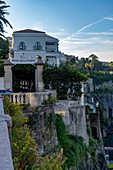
29 45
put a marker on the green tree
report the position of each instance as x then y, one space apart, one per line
55 161
23 146
3 20
4 48
65 79
93 57
111 65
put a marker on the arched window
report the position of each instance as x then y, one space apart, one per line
37 46
21 46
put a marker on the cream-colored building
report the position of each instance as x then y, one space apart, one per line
30 47
29 44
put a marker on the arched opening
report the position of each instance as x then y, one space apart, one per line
37 46
23 76
94 132
21 46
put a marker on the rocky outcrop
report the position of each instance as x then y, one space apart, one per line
105 100
73 114
88 86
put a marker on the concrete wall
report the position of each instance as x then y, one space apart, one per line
8 75
1 83
6 162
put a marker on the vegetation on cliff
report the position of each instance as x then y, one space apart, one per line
23 146
95 69
75 150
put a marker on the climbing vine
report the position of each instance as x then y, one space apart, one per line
74 149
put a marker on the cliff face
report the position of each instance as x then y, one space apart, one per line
74 117
105 100
73 114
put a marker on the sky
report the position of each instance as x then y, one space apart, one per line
83 27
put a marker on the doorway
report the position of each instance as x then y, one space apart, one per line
23 78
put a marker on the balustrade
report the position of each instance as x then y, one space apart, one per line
25 98
19 98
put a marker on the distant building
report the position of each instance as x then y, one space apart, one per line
28 45
68 58
105 64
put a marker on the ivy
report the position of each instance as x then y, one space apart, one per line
74 149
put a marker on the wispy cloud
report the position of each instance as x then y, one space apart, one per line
108 18
89 25
80 31
38 26
96 33
59 32
83 43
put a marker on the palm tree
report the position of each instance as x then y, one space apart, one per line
3 20
93 57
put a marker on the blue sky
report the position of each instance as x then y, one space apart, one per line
82 26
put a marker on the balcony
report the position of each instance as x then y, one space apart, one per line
37 47
21 47
50 50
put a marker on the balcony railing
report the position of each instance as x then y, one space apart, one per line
21 48
51 50
37 47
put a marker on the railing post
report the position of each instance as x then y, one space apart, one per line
18 99
22 98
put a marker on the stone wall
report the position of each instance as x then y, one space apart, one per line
1 83
44 129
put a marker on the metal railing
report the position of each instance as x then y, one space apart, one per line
37 47
21 48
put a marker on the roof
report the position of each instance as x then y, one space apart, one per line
28 31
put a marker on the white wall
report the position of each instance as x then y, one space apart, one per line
30 39
1 83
